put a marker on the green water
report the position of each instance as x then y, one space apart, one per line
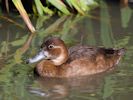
109 26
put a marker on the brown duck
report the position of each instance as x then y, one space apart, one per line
58 61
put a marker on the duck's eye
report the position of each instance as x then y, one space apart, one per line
51 46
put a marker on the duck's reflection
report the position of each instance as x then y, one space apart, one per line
56 88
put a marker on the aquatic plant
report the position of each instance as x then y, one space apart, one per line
66 7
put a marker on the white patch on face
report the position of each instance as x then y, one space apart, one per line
46 53
59 59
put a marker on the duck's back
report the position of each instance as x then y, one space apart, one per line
80 51
85 60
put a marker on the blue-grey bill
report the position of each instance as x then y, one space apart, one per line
41 55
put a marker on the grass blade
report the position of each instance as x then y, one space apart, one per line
76 5
24 14
60 5
41 9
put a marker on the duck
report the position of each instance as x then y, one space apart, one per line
56 60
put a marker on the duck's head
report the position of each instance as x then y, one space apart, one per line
52 49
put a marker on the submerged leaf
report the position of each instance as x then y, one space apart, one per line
126 14
40 21
106 29
18 56
4 48
19 42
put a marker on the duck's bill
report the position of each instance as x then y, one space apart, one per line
41 55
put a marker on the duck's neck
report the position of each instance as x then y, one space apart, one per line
62 58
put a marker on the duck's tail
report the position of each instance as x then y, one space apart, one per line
118 54
121 51
114 51
114 55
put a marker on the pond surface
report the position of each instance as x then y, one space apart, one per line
108 26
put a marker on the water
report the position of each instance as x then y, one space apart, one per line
110 26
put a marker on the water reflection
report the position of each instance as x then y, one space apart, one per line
111 27
58 88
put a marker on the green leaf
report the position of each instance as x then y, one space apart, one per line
69 3
48 11
40 21
18 4
39 7
4 47
18 56
76 5
108 88
60 5
106 29
126 14
84 5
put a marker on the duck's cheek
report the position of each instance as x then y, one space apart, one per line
46 54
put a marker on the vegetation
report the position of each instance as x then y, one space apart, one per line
16 77
60 6
15 74
50 7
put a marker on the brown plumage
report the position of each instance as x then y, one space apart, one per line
77 61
